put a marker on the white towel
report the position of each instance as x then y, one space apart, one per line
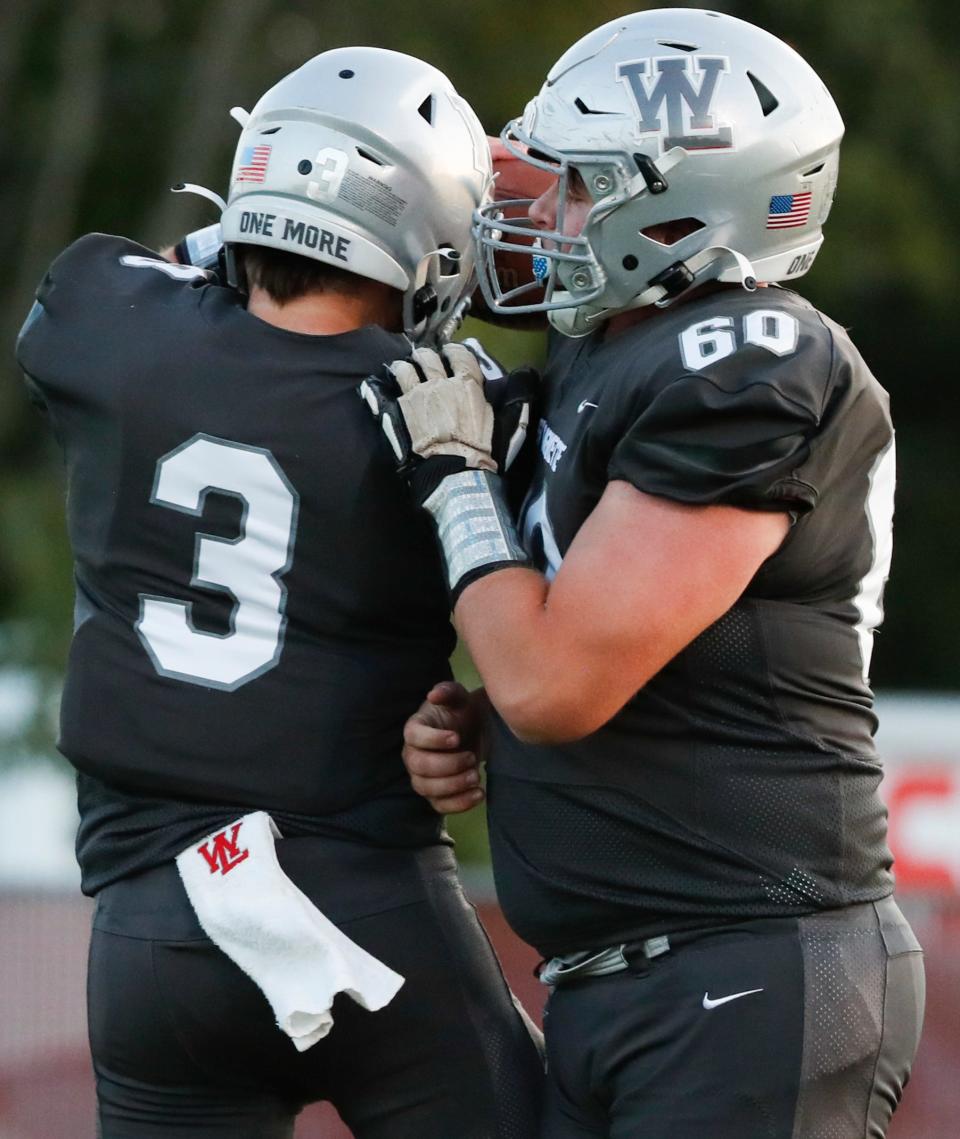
251 910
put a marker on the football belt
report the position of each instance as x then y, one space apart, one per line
599 963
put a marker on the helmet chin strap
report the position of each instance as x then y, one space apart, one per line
200 191
715 256
584 319
425 301
239 115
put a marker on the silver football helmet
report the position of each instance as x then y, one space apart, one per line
369 160
709 150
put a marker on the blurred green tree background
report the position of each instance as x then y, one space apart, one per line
107 103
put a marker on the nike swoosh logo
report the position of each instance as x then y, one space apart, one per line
584 403
708 1003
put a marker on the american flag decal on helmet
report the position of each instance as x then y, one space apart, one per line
253 163
789 210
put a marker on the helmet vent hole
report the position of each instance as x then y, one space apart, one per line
347 73
585 110
670 232
813 170
678 47
271 130
426 109
304 166
630 262
370 157
768 101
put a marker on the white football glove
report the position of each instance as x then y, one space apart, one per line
446 415
441 409
456 404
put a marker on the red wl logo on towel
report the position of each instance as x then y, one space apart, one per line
225 853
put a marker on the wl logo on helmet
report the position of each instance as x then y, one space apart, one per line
223 853
687 106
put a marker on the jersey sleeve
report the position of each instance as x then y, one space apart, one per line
88 312
738 434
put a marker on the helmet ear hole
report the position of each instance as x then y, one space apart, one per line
449 261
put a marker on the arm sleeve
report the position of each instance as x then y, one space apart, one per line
703 441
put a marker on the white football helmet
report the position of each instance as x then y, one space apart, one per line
369 160
673 115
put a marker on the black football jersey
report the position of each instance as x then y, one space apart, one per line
259 606
741 781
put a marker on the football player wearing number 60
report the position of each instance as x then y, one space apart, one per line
259 608
676 642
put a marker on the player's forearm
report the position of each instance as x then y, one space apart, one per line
552 671
541 677
642 579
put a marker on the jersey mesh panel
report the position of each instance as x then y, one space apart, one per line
845 976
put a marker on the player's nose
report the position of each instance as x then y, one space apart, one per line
543 210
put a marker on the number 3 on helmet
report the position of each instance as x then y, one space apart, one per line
369 160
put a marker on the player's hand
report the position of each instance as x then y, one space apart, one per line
513 397
516 179
442 745
432 407
440 410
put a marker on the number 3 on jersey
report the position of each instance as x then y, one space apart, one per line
249 567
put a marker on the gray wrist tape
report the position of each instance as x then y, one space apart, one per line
476 531
203 246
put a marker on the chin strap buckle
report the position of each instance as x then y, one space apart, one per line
651 174
674 280
425 302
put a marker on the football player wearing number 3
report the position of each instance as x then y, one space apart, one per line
676 639
259 608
